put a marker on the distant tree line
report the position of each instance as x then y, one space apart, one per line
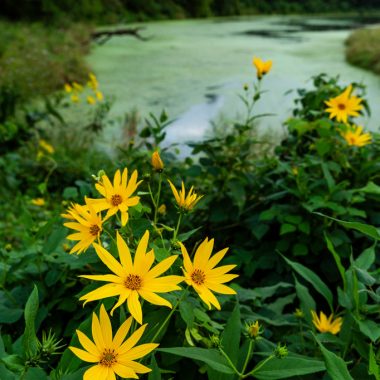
123 10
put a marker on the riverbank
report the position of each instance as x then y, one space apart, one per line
363 49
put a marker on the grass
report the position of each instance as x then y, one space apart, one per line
363 49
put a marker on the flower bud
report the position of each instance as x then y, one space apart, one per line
281 351
157 163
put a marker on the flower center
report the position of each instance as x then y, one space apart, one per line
108 358
116 200
341 106
94 230
198 276
133 282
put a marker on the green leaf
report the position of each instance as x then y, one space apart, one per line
307 302
156 373
335 365
35 374
370 188
337 259
366 229
9 315
54 240
374 368
290 366
328 177
211 357
369 328
366 258
231 335
287 228
186 309
184 236
313 279
29 339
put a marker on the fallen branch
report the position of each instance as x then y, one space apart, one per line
102 36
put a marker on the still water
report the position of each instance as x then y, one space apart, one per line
195 69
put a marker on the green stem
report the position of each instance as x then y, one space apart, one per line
158 200
259 365
169 316
151 196
250 347
177 228
241 376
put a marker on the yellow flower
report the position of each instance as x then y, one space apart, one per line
91 100
68 88
93 82
99 95
133 279
112 355
262 67
157 163
75 98
38 201
344 105
355 137
46 146
324 324
77 87
88 225
162 209
185 202
117 197
202 274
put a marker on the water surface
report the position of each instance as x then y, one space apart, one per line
195 69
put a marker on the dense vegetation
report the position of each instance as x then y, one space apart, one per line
297 219
363 49
122 10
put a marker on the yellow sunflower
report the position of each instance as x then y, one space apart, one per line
324 324
262 67
354 136
117 197
202 274
87 224
344 105
112 355
185 202
133 279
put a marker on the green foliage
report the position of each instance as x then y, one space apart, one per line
363 49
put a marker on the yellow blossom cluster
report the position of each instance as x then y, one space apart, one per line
134 276
75 90
342 107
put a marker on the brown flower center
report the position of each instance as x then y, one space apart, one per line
94 230
341 106
198 276
108 358
133 282
116 200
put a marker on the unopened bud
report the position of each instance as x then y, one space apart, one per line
157 163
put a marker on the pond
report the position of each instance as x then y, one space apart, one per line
195 69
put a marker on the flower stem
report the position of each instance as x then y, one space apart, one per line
241 376
157 204
259 366
169 315
177 228
250 347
